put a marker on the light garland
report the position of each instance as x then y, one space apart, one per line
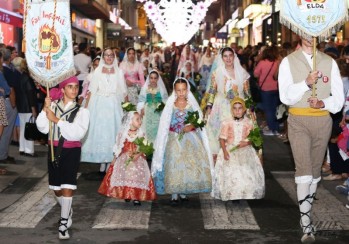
176 20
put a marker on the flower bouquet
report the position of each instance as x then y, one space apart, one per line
143 146
128 107
250 104
159 107
193 118
197 78
254 137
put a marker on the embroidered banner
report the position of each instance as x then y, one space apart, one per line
313 18
49 51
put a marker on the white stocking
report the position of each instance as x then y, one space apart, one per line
59 200
305 200
103 167
174 197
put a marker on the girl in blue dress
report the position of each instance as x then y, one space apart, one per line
152 94
181 166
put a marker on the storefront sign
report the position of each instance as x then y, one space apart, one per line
83 24
49 50
313 18
6 34
11 18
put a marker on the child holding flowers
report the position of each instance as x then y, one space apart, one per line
128 176
153 95
238 170
182 166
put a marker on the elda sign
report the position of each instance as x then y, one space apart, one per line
313 18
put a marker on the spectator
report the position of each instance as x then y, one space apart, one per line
82 62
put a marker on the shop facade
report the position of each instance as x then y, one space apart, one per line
11 21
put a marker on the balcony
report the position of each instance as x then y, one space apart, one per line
93 9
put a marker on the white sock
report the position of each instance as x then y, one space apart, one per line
182 195
66 206
59 200
303 192
174 197
102 167
107 167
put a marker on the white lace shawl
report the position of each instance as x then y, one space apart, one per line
123 133
143 93
117 77
221 73
163 131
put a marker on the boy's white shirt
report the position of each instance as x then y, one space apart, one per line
74 131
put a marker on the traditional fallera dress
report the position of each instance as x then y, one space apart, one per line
149 99
221 90
242 176
107 92
186 167
134 73
151 118
128 179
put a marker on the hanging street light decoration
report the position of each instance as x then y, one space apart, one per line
176 20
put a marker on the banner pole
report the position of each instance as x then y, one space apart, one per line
50 135
313 91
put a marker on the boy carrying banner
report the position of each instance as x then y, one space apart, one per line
70 124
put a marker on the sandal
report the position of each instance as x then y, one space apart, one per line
3 171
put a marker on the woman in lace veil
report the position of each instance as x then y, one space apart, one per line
107 91
227 81
134 74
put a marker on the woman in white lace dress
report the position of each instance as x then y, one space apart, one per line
238 170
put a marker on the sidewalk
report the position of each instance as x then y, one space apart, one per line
21 175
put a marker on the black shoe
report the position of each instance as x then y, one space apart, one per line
6 161
136 203
127 200
174 202
184 199
10 158
21 153
15 143
32 155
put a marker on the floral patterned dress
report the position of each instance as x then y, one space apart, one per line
151 118
186 165
128 179
242 176
3 117
220 98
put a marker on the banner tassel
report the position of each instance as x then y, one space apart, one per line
24 45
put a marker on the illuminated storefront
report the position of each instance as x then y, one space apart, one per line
11 22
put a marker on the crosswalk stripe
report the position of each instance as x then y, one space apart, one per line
328 213
30 209
226 215
118 214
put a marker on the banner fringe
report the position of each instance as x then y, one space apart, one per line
302 32
54 81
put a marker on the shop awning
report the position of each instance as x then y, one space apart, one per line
11 18
254 10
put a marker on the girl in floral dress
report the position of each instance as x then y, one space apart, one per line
181 166
238 170
152 94
128 176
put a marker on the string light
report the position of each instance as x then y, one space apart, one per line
176 20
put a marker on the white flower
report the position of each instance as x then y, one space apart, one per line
145 142
125 105
199 121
